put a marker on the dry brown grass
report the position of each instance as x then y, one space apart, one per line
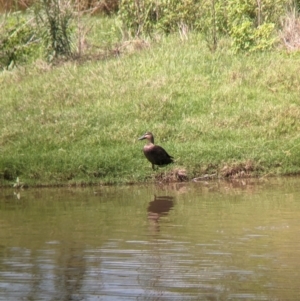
290 33
93 6
97 6
8 5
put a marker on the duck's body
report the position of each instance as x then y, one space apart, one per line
155 153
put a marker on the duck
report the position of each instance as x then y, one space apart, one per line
155 153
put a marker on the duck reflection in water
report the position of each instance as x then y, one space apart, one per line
160 206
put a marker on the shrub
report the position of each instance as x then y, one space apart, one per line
252 24
54 19
21 34
146 16
18 40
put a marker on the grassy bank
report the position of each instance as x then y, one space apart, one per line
224 113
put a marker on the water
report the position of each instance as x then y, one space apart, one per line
200 241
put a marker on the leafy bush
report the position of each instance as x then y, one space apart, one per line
251 24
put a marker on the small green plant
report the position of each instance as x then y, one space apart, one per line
19 185
209 24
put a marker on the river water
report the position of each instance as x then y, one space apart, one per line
216 240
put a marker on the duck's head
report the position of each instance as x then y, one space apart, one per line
149 136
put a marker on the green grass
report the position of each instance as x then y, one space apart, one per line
214 112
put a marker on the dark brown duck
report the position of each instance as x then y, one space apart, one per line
155 153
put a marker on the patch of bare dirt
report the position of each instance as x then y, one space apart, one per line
238 170
175 175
